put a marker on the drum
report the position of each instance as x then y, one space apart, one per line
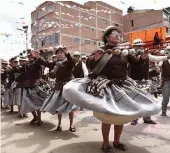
114 119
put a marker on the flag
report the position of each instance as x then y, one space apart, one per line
122 2
73 6
67 6
21 3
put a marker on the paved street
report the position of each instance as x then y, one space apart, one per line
17 136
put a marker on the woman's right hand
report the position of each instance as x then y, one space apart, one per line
36 55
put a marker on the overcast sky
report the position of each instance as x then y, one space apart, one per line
12 13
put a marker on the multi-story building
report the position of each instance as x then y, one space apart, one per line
138 20
79 27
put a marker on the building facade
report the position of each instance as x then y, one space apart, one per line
79 27
145 19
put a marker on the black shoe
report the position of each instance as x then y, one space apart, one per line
150 122
163 114
25 115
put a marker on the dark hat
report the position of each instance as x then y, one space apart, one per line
29 51
107 30
15 60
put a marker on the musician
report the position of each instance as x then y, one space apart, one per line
83 59
109 90
79 69
62 71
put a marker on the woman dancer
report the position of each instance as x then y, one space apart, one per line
18 92
11 78
33 91
62 70
109 90
4 66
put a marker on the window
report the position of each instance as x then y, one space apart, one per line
105 21
86 15
42 42
57 38
117 25
34 30
167 30
87 41
53 38
33 19
46 40
49 40
165 16
39 43
41 13
50 8
132 23
94 43
34 44
90 29
77 40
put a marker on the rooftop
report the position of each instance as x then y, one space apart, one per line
79 5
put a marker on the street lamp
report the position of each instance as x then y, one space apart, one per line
25 29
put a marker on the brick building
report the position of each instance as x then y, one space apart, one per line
79 27
146 19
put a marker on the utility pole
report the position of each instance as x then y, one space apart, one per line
25 30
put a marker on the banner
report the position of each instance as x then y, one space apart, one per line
148 35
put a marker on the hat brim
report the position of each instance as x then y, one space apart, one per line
59 49
23 59
5 63
108 30
141 44
76 55
54 56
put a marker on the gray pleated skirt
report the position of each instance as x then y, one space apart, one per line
8 97
2 89
17 96
56 103
32 100
126 100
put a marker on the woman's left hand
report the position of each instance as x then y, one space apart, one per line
98 55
